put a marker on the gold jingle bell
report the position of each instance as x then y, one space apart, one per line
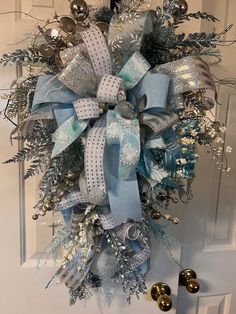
188 278
164 303
155 215
35 216
160 292
192 286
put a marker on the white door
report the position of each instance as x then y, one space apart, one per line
22 287
209 225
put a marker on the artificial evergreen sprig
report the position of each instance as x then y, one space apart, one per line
20 100
198 15
126 6
164 45
84 290
38 165
200 40
62 175
61 238
133 282
80 293
24 154
23 56
39 155
37 147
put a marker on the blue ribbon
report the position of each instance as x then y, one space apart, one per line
66 214
121 181
126 134
123 194
49 90
156 88
120 175
67 133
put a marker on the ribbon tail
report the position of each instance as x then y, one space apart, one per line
141 258
123 194
69 273
155 124
94 169
66 134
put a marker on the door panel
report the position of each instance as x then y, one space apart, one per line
209 227
22 240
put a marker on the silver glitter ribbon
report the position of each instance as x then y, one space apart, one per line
131 232
156 123
75 221
126 33
79 76
73 272
188 74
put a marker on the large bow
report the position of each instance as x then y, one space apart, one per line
109 169
113 144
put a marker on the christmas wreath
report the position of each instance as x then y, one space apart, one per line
113 121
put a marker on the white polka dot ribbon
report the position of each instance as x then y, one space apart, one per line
111 90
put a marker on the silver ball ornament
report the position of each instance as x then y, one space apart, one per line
79 10
126 110
67 24
179 7
46 50
35 216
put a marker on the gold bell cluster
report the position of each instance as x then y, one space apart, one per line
161 292
188 278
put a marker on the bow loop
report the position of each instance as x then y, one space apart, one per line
79 76
98 51
87 108
111 89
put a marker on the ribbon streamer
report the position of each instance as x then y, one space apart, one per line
94 170
73 272
188 74
125 35
130 234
